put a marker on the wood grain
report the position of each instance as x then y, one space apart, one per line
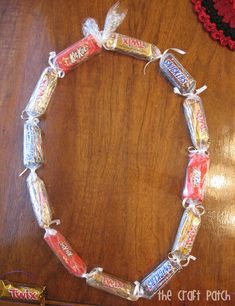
115 144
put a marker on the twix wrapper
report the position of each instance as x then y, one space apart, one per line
15 291
196 121
186 234
132 46
109 283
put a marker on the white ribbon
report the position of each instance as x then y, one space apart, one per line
196 208
190 257
177 259
50 231
138 291
56 222
161 55
92 272
23 172
193 94
201 151
51 61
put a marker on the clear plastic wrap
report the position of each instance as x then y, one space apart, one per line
39 200
91 44
196 121
176 73
114 18
156 279
77 53
63 250
42 93
186 234
33 154
194 186
132 46
109 283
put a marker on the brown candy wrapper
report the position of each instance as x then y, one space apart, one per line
16 291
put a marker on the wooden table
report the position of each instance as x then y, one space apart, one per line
115 145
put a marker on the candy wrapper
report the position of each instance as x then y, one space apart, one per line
196 172
19 292
91 44
196 121
42 93
69 58
132 46
33 154
155 280
176 73
186 234
109 283
39 200
63 250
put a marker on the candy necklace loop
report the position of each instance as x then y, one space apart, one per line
198 164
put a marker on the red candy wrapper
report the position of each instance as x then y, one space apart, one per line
195 176
63 250
69 58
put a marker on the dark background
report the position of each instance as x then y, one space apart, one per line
115 145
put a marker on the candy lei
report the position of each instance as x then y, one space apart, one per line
59 65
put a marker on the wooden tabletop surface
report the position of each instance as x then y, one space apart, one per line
115 142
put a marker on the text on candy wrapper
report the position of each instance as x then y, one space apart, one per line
25 295
175 71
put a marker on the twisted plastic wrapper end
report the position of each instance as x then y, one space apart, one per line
114 18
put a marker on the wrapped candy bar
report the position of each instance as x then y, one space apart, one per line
186 234
63 250
132 46
33 154
197 168
39 200
156 279
176 73
16 292
80 51
91 44
42 93
196 121
111 284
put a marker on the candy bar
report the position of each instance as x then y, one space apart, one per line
42 93
196 121
176 73
197 168
132 46
111 284
63 250
33 154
